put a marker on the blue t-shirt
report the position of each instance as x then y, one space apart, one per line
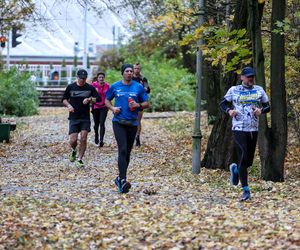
121 93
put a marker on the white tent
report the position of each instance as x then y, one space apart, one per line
64 28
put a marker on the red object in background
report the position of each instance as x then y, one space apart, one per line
129 101
2 41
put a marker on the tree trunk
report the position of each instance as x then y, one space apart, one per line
273 156
254 26
220 148
212 74
211 83
188 60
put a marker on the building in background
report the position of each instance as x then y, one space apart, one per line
56 44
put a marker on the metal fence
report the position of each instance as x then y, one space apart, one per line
53 75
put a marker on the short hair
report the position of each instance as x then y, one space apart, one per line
137 64
100 73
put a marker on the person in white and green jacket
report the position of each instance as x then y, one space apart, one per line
244 103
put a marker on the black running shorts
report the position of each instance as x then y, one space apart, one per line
76 126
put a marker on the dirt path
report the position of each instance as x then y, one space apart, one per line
46 202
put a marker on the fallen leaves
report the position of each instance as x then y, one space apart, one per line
46 202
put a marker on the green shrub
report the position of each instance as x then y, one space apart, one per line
172 87
110 59
18 95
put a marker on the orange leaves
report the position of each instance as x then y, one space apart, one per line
47 203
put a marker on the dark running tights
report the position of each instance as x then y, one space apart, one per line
125 136
99 116
245 143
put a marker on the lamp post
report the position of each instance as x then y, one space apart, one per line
85 36
196 155
7 51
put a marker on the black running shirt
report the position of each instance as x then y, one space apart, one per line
75 95
143 81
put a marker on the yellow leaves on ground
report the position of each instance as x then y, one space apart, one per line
47 203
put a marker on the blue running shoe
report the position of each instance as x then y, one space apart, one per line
245 195
122 185
125 186
234 177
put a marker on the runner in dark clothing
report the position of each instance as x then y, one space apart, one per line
77 98
244 103
129 97
144 82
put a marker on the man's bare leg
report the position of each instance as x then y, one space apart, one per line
83 143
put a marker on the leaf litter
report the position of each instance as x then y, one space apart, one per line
47 203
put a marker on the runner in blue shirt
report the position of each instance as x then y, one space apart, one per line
244 103
129 97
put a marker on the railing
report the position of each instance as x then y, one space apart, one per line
46 82
56 75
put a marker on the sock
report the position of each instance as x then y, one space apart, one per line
246 189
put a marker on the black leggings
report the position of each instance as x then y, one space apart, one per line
125 136
99 116
245 143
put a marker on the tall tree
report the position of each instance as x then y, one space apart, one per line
220 148
14 13
273 140
217 12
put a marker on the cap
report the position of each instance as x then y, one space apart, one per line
82 74
247 71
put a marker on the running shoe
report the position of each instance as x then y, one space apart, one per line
246 195
101 144
72 156
80 164
122 185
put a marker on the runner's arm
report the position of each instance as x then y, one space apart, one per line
225 105
68 105
265 108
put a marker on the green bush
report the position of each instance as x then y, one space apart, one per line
110 59
172 87
18 95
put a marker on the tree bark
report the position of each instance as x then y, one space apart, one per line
220 150
212 88
254 26
273 156
212 74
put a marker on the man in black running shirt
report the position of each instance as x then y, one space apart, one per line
77 98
